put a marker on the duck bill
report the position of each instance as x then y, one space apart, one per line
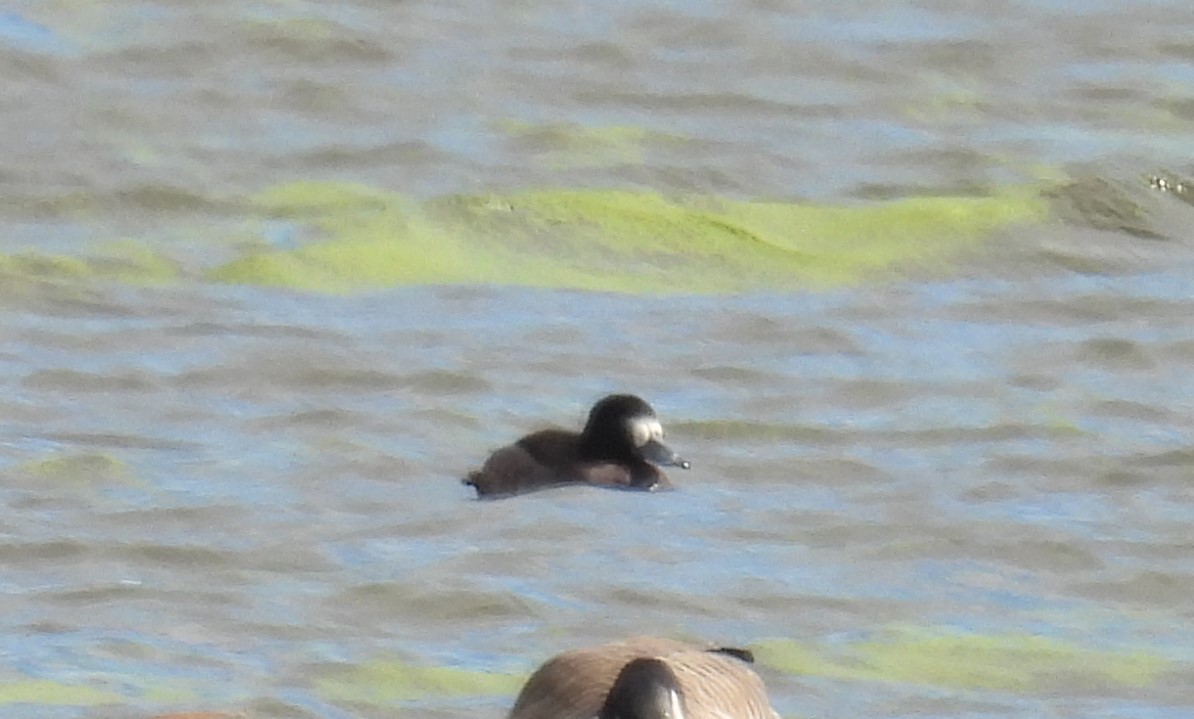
659 453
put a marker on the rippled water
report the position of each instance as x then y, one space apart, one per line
960 488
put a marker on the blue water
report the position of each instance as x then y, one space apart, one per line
215 497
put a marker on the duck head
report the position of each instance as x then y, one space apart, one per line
623 426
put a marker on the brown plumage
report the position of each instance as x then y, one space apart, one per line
645 678
620 446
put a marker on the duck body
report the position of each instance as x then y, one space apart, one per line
645 678
620 446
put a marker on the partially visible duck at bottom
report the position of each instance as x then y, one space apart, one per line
620 446
646 678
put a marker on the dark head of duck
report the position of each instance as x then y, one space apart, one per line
620 446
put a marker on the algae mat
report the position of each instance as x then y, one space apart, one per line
392 682
354 237
339 238
1007 662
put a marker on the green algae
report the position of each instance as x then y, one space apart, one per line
344 237
179 692
567 145
608 240
1018 663
1004 662
47 266
389 682
87 468
124 261
134 263
46 692
947 104
318 199
375 239
51 693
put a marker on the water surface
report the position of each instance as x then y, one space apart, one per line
274 275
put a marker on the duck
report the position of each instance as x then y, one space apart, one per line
646 678
621 446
